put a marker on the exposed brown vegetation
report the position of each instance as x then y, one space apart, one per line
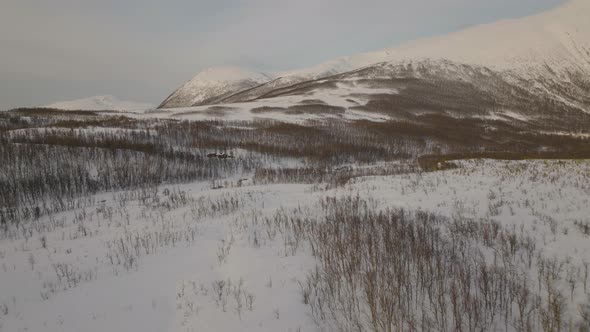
169 151
394 270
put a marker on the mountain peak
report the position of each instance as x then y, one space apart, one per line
213 84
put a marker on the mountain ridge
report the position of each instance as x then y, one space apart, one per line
213 84
549 48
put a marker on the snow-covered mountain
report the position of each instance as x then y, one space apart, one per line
558 38
212 85
101 103
231 84
546 55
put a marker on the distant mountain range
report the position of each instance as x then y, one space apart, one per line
535 67
101 103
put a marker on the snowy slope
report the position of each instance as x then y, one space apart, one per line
170 287
233 84
550 48
558 38
101 103
214 83
326 69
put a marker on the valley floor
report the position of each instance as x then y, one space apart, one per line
192 258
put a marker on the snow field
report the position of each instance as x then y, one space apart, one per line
190 258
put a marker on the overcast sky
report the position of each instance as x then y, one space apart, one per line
141 50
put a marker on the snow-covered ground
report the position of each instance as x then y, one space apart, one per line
192 258
345 96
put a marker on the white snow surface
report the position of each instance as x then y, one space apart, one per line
169 287
101 103
345 95
334 67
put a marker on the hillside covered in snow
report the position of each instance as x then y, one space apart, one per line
212 85
546 55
